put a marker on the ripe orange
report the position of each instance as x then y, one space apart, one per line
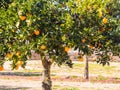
1 68
8 55
17 67
80 58
18 53
20 62
66 49
36 32
105 20
22 18
43 47
83 40
91 46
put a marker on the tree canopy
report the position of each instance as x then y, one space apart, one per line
51 28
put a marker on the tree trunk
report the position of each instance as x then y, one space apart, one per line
46 83
86 72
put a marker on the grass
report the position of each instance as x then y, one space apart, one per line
96 69
77 70
21 73
116 78
58 87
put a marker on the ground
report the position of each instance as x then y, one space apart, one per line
64 78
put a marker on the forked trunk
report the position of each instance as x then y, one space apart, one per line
86 72
46 83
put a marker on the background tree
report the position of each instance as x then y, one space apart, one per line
94 28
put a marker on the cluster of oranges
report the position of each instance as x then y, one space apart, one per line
23 18
19 63
9 55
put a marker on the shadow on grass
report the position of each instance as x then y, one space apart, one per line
23 73
13 88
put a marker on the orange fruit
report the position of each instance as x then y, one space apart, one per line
36 32
8 55
66 49
105 20
83 40
43 47
22 18
18 53
1 68
20 62
91 46
80 58
17 67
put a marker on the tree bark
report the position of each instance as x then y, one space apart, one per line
86 69
46 83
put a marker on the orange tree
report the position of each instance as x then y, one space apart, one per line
95 28
47 38
50 28
33 25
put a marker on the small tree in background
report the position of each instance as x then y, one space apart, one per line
94 29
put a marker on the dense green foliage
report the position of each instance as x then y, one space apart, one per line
48 27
